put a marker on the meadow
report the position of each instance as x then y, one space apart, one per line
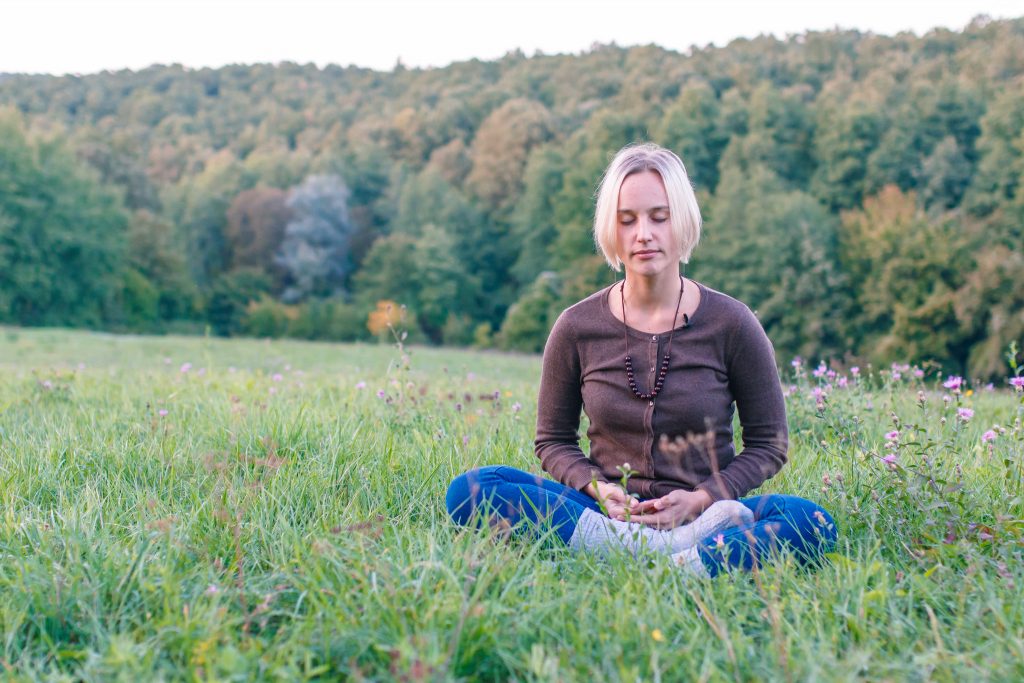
207 509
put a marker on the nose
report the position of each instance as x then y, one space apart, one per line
643 229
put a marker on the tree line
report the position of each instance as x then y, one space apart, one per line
860 192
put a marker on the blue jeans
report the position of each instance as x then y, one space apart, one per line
530 503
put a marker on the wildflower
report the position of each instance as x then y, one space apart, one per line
273 390
496 395
831 374
657 635
516 407
988 436
1017 382
820 370
918 373
964 414
797 362
167 361
212 589
380 393
202 371
458 407
47 384
893 435
953 383
81 366
855 371
897 375
162 412
720 541
465 440
792 389
889 459
185 367
360 385
277 377
990 387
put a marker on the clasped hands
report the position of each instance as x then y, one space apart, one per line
671 510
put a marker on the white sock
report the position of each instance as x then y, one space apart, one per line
598 533
689 560
719 516
601 535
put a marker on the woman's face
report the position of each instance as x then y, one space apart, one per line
644 240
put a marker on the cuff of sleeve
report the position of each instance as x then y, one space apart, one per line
717 487
579 478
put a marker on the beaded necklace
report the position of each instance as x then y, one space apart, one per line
668 350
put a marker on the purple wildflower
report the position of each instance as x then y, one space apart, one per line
185 367
360 385
162 412
855 371
988 436
889 459
964 414
380 393
820 370
893 435
1017 382
277 377
953 383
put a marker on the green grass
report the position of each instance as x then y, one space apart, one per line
293 527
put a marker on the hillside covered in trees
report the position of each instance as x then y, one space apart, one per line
862 193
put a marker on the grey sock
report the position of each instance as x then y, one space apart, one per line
719 516
601 535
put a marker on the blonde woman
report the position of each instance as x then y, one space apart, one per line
658 363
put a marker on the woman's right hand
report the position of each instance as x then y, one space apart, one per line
616 503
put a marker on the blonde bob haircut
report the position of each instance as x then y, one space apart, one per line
684 214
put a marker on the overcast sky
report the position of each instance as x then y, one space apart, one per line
86 36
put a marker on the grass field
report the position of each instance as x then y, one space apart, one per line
179 509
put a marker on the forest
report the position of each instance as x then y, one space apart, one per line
861 193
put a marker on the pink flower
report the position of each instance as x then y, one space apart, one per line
964 414
465 440
797 362
277 377
212 589
720 541
273 390
918 373
162 412
380 393
47 384
896 375
820 370
889 459
1017 382
988 436
953 383
855 371
841 381
360 385
185 367
516 407
893 435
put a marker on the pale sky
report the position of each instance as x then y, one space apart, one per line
86 36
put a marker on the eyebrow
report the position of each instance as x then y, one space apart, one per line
653 208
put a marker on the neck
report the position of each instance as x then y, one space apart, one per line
650 294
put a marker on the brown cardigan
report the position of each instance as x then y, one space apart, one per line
684 438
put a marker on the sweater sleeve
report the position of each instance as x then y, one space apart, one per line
559 403
755 386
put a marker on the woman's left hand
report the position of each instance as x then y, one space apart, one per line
671 510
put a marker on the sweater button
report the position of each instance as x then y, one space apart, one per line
651 403
654 337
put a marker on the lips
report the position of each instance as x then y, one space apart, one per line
646 252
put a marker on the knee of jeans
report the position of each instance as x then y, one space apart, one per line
824 526
465 494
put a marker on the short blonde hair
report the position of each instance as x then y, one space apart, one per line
684 214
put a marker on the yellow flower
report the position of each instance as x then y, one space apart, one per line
656 634
969 392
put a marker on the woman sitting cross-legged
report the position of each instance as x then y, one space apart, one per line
658 363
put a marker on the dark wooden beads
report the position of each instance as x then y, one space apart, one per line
658 384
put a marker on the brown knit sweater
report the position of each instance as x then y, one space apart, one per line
684 438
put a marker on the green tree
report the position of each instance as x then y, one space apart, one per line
62 234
